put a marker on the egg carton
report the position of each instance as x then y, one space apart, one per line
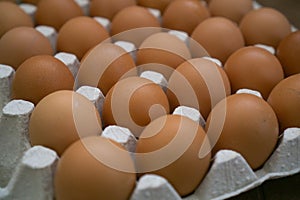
27 172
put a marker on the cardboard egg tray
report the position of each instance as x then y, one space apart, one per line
27 172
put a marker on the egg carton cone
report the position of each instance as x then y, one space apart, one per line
6 77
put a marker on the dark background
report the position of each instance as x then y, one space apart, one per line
290 8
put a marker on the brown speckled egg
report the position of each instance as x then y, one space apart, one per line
219 36
82 174
61 118
160 5
264 26
21 43
184 15
175 142
134 102
12 16
253 68
288 53
285 100
104 66
80 34
108 9
250 127
39 76
132 17
231 9
198 83
165 49
56 12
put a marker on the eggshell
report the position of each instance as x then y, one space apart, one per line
264 26
34 2
253 68
160 5
132 17
198 83
134 102
231 9
165 49
21 43
219 36
285 100
173 142
12 16
288 53
56 12
39 76
184 15
81 174
104 66
80 34
250 127
61 118
108 9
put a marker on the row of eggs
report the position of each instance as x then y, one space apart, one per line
249 125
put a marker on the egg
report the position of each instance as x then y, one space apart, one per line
253 68
231 9
184 15
39 76
21 43
132 17
160 5
133 103
82 174
169 146
54 13
80 34
34 2
198 83
285 101
164 49
288 53
108 9
219 36
12 16
264 26
250 127
104 66
61 118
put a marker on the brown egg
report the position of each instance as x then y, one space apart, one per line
12 16
285 101
264 26
80 34
253 68
250 127
288 53
34 2
159 5
231 9
134 102
61 118
169 146
39 76
21 43
108 9
132 17
82 174
104 66
198 83
165 49
219 36
56 12
184 15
